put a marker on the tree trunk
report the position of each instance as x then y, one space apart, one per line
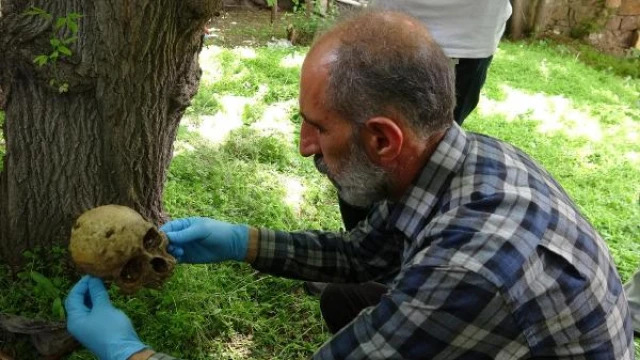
541 17
274 11
108 139
517 23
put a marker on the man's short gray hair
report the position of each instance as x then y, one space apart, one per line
387 64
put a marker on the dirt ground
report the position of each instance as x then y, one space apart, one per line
242 27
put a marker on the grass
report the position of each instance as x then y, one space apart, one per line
624 66
236 160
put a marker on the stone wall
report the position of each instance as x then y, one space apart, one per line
622 29
610 25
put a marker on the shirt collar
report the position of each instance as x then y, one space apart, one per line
412 212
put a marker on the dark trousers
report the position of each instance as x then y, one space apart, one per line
470 77
341 303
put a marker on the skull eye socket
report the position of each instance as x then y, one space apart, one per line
132 271
152 239
159 265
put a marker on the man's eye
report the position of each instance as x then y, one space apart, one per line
318 129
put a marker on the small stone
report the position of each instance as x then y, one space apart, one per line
629 7
613 4
614 23
629 23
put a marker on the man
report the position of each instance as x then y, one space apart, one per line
493 260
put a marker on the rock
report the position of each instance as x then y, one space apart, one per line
611 41
613 4
636 40
629 23
50 339
614 23
629 7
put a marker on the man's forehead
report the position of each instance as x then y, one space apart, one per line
323 53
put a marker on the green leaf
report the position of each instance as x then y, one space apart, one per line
23 275
73 26
70 40
54 55
36 11
55 42
60 23
44 284
40 60
74 16
63 88
57 310
64 50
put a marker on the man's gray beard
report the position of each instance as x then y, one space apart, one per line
359 182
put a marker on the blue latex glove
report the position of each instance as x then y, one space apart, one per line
97 325
204 240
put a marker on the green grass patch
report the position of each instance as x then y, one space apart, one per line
628 65
246 179
249 72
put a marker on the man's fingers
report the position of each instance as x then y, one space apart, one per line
99 294
185 236
176 225
175 251
74 303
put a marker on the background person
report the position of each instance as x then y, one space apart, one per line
468 32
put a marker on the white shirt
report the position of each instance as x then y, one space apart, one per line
463 28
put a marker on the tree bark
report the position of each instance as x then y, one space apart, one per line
517 23
541 17
274 11
108 140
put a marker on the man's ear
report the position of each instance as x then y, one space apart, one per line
383 139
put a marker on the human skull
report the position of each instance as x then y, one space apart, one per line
116 244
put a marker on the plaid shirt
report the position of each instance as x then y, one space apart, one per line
493 261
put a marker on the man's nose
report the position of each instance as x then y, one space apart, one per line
309 144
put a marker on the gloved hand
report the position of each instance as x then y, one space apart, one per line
97 325
203 240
